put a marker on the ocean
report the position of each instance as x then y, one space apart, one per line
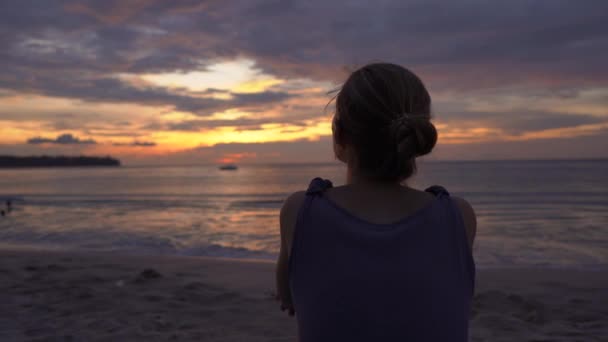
530 213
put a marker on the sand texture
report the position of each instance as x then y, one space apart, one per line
66 296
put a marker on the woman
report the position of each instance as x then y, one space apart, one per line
375 260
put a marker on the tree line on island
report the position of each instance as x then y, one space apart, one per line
56 161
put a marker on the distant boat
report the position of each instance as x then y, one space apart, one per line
229 167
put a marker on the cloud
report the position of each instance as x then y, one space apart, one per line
453 44
113 90
64 139
464 51
242 123
297 151
137 143
518 122
581 147
530 122
73 49
197 125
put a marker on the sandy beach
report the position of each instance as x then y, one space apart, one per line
68 296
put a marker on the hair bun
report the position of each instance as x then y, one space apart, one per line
413 135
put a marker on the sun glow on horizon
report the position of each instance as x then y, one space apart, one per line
140 130
226 135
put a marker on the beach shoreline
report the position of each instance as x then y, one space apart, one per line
52 295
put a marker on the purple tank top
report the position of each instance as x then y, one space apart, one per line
352 280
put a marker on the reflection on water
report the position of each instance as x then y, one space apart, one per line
529 213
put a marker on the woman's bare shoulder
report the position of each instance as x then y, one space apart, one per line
289 213
469 218
292 203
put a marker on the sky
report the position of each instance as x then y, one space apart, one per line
248 81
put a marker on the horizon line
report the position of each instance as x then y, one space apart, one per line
600 159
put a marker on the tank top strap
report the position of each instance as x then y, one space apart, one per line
459 233
437 190
317 186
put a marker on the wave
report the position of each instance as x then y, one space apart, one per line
258 204
214 250
261 201
114 240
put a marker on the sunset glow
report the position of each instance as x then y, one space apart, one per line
143 89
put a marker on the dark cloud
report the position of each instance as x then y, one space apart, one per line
64 139
497 42
452 44
114 90
582 147
519 122
198 125
242 123
137 143
531 122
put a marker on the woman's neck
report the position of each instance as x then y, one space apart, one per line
354 177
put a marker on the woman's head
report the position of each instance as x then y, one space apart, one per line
382 122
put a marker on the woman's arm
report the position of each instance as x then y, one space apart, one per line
288 219
283 292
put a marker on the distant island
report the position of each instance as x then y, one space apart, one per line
56 161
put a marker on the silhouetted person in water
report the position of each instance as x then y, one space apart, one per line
375 259
2 213
9 206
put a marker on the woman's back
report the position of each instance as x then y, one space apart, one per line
374 260
354 280
378 203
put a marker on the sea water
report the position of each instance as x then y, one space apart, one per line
530 213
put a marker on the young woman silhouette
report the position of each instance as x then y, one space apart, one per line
376 260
